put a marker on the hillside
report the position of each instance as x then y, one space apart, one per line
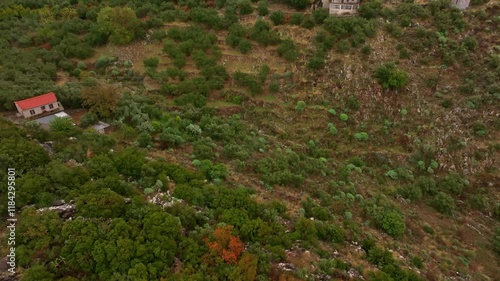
252 140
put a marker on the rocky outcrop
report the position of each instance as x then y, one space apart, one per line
66 211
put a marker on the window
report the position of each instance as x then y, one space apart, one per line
51 106
43 107
32 112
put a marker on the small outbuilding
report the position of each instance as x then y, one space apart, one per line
101 127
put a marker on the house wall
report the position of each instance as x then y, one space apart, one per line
38 110
343 8
461 4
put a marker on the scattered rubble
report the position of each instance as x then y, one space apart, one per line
164 199
286 266
354 274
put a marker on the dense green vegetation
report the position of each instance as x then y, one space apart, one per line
290 146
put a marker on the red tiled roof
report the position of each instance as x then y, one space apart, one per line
36 101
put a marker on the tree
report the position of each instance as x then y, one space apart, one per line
119 23
129 162
288 50
144 139
102 99
307 229
390 77
277 17
224 244
298 4
320 15
62 124
88 119
37 272
151 62
21 154
370 9
102 204
247 268
443 203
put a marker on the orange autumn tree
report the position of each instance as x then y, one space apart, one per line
226 245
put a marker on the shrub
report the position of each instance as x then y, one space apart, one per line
371 9
247 80
62 124
102 62
261 32
344 117
196 100
308 22
366 50
479 202
380 257
320 15
211 171
277 17
151 62
317 61
245 7
412 192
362 136
301 105
417 262
495 243
352 102
296 18
144 140
288 50
479 129
443 203
453 183
81 65
392 222
332 130
244 46
274 86
386 217
307 229
263 8
298 4
329 232
343 46
390 77
88 119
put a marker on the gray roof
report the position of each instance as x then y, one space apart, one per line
47 119
100 126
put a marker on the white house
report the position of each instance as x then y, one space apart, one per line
460 4
38 105
343 7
